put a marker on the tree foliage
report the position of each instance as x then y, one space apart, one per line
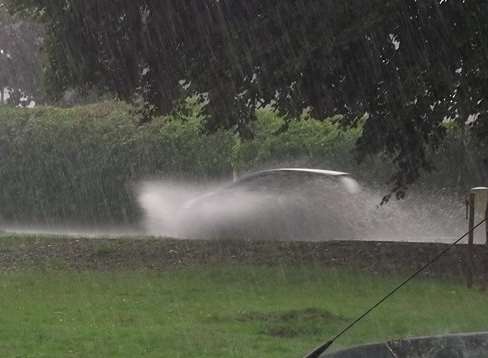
404 67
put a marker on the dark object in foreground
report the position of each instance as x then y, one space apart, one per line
473 345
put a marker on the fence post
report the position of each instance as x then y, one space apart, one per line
486 223
470 263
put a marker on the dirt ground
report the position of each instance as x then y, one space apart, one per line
37 252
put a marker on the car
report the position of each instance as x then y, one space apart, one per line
281 203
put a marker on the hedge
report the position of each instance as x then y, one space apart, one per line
80 165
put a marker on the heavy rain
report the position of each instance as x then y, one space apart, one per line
224 178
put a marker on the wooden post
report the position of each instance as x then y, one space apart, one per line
486 224
470 261
484 257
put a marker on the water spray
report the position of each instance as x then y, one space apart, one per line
317 352
260 205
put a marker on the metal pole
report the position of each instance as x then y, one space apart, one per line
235 174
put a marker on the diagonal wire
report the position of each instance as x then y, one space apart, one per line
322 348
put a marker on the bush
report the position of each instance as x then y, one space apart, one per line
307 142
79 165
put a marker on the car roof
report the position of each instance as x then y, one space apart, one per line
321 172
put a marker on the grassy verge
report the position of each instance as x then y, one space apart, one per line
217 311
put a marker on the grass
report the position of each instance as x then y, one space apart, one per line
218 311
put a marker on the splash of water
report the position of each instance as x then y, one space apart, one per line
316 210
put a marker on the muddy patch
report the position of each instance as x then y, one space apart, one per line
292 323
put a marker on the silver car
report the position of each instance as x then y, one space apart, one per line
284 203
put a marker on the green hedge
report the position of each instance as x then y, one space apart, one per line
80 164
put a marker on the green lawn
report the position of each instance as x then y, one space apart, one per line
218 311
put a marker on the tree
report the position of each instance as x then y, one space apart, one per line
401 67
20 64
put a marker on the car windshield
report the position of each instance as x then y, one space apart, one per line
224 178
